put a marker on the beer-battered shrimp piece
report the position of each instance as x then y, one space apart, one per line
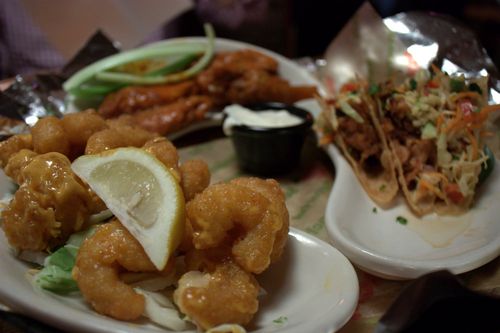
249 213
195 177
12 145
227 294
125 136
51 203
49 136
100 260
79 126
166 152
16 164
271 190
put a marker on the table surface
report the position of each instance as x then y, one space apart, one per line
306 189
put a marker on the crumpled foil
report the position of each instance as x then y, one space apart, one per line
31 97
396 47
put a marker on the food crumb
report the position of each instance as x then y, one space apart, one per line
374 210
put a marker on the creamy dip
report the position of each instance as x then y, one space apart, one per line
239 115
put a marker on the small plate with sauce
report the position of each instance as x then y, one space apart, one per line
395 244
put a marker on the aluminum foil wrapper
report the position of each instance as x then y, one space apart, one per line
31 97
396 47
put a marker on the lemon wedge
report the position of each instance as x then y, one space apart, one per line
142 193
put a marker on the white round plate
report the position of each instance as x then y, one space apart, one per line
313 288
373 240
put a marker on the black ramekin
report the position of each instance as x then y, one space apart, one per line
271 151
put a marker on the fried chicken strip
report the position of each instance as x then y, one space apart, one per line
134 98
165 119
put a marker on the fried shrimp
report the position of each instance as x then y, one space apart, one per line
166 152
195 177
67 135
12 145
79 127
249 213
50 204
100 260
115 137
227 294
16 164
49 136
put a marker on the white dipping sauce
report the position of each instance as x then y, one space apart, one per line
239 115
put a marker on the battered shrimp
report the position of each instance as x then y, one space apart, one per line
100 260
166 152
193 175
79 127
49 136
16 164
116 137
195 178
227 294
12 145
50 204
249 213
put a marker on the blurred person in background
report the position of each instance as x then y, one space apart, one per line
294 28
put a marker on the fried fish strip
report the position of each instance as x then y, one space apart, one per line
259 86
134 98
248 76
166 119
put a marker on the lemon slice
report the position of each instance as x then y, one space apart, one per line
142 193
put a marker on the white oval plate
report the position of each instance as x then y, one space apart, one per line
313 288
372 239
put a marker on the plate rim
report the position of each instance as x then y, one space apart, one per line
391 267
99 323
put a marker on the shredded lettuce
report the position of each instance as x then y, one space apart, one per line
348 110
56 276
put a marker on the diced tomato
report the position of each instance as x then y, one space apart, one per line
349 87
466 107
432 84
453 193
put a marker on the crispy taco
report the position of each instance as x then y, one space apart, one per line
349 120
435 126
